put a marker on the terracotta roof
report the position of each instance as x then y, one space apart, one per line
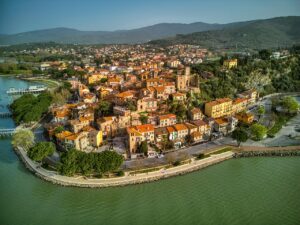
152 80
61 114
159 88
222 100
144 128
239 100
221 121
114 80
199 123
87 118
196 134
196 110
169 84
167 116
219 101
149 100
151 89
180 126
133 130
88 128
125 94
177 94
190 126
171 129
64 134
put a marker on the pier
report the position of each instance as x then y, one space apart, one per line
5 114
7 132
10 131
32 89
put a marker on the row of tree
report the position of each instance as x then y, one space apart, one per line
30 108
77 162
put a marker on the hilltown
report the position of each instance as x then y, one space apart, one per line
143 97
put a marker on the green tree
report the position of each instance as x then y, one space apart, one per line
68 165
104 108
264 54
261 111
290 104
23 138
29 108
180 110
130 105
110 161
188 139
59 129
66 85
41 150
258 131
143 148
103 80
61 97
74 161
240 136
144 119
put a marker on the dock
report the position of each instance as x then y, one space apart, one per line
37 89
8 132
5 114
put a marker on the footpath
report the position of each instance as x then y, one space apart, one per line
80 181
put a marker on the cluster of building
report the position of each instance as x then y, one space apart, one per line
138 86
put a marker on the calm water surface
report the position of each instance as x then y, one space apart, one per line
238 191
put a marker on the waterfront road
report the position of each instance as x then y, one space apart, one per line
180 154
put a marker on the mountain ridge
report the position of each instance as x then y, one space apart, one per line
165 31
269 33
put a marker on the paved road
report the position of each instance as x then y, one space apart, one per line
179 154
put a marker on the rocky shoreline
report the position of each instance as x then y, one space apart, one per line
266 153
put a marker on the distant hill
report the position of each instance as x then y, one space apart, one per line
257 33
269 33
140 35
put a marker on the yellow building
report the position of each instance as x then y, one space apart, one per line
218 108
95 78
137 134
230 63
251 95
245 117
239 105
96 138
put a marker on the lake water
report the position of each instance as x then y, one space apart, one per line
238 191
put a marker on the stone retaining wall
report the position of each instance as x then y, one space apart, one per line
266 153
122 181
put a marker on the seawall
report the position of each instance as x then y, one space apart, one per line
80 181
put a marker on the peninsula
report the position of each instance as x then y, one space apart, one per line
124 114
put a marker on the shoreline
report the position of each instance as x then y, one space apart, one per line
50 83
79 181
195 165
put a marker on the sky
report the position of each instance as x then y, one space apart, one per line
26 15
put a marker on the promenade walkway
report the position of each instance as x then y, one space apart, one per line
81 181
